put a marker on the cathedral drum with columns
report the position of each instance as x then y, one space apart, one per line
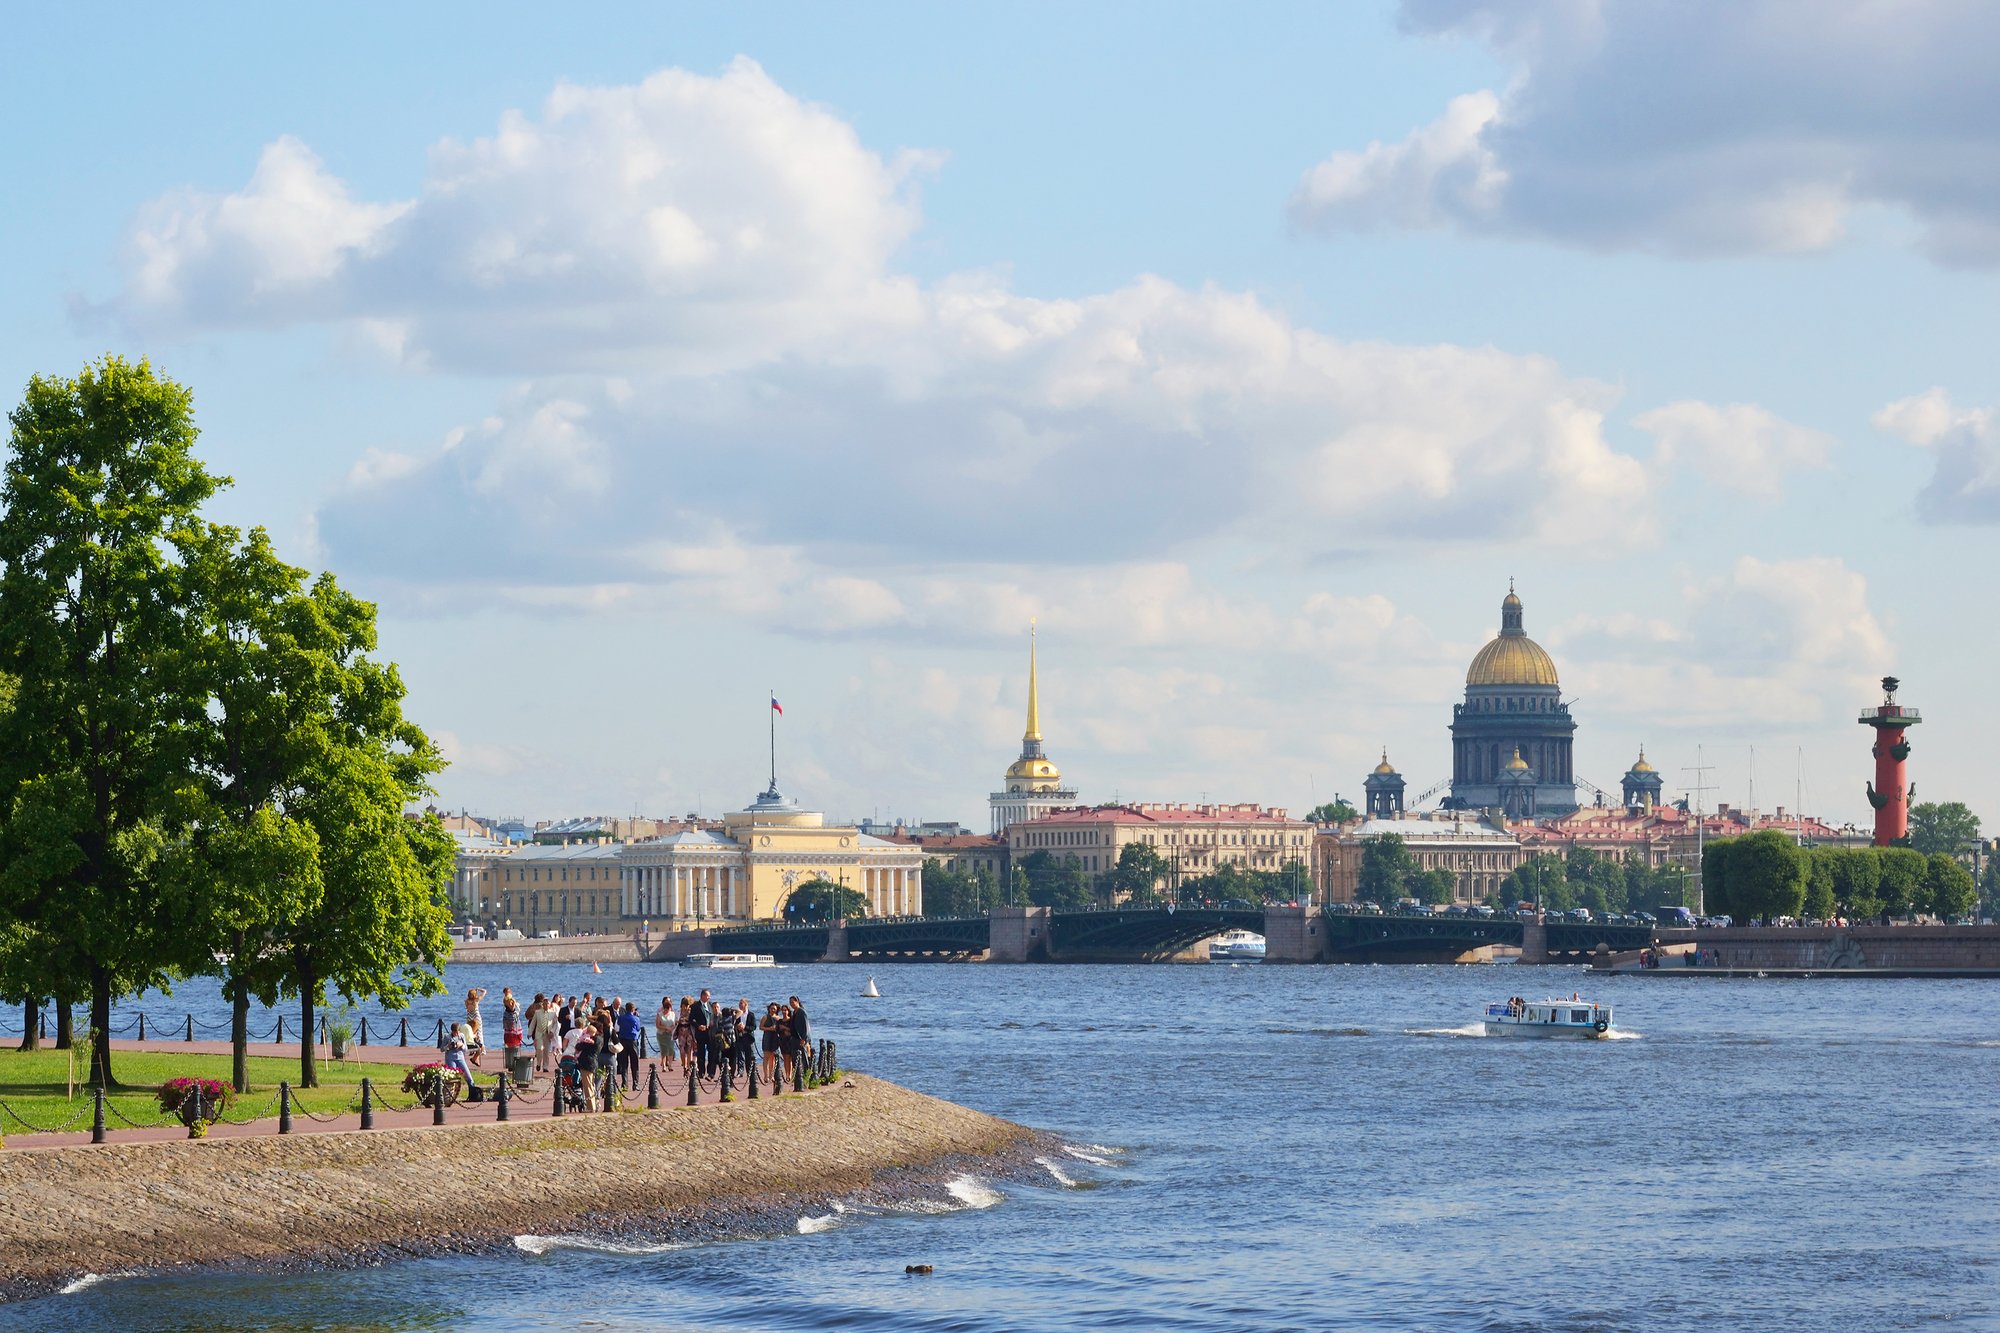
1511 738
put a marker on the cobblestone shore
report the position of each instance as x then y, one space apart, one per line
340 1199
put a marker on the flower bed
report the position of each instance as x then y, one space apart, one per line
196 1102
430 1081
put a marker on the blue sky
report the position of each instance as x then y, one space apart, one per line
637 366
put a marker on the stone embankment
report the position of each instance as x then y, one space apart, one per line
341 1199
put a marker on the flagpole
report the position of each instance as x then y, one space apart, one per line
774 737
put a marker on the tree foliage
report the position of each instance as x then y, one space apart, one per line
204 772
1336 811
818 901
1942 826
958 892
1386 867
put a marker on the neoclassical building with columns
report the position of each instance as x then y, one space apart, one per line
742 872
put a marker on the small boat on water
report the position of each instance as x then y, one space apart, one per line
1574 1017
1236 946
729 960
869 992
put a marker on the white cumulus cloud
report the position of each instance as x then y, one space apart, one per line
1757 126
1738 446
1965 442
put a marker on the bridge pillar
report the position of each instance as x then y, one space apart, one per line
1534 941
1019 935
1293 935
836 943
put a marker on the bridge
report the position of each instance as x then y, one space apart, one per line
1152 934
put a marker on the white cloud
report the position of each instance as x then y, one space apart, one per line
1769 645
713 219
1758 126
1739 446
1965 484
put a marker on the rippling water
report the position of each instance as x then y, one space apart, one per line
1300 1147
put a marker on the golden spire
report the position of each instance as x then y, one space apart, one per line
1034 731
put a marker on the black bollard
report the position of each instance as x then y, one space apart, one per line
799 1073
440 1036
694 1077
97 1114
500 1097
405 1041
44 1024
611 1093
652 1087
280 1039
364 1029
284 1108
367 1104
556 1094
142 1025
723 1076
190 1034
753 1080
437 1099
322 1029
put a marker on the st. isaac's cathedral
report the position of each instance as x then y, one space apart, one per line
1510 739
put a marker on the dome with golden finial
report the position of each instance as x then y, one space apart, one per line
1033 766
1385 767
1517 764
1642 766
1513 658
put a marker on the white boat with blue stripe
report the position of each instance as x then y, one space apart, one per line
1574 1017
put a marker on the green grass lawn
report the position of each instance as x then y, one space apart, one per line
32 1086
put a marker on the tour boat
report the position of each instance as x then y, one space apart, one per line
729 960
1236 946
1548 1018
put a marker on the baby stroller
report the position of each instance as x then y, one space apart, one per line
569 1085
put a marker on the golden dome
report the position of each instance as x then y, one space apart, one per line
1642 766
1385 766
1517 763
1033 770
1513 658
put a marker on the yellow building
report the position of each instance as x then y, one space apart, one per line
745 872
1033 785
696 877
1192 840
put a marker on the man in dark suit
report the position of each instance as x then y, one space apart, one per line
701 1022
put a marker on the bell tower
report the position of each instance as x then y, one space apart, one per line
1033 784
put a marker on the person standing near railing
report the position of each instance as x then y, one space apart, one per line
664 1021
542 1029
628 1040
475 1037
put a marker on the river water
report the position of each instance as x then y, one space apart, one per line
1296 1147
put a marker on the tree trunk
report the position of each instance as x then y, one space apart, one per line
100 1025
65 1023
239 1031
308 1053
31 1025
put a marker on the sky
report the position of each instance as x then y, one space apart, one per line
643 365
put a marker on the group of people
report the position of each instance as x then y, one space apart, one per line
603 1037
709 1037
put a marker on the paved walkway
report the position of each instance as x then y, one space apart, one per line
533 1103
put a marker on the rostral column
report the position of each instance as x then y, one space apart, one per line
1891 792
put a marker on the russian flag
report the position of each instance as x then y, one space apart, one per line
775 708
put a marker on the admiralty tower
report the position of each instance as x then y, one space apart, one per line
1033 785
1511 738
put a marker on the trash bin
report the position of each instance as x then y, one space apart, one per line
521 1066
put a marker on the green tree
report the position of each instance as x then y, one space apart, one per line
1137 876
948 892
1948 887
818 901
1058 884
1989 888
1543 879
1942 826
101 490
1386 866
1903 875
1764 874
1336 811
1821 900
1857 879
1436 886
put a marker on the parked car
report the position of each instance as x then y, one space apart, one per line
1480 909
1646 918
